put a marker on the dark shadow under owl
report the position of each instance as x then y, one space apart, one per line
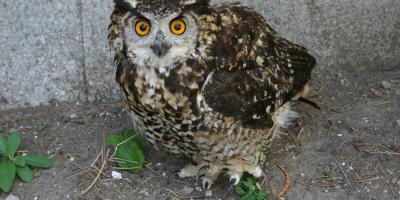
211 82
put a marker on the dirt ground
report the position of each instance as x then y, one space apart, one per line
349 150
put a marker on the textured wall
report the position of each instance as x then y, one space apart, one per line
52 49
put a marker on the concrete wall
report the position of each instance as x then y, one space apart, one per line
53 49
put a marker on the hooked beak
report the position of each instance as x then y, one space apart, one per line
159 47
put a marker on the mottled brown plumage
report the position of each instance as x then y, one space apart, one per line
221 91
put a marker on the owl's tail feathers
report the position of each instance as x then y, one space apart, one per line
310 102
302 97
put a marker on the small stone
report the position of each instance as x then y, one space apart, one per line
187 190
159 164
74 116
386 85
209 193
72 159
398 123
198 188
302 175
344 82
116 175
339 135
36 174
12 197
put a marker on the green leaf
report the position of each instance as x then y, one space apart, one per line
262 195
248 196
114 140
239 190
19 161
38 161
140 142
13 142
127 133
7 175
25 174
133 155
3 145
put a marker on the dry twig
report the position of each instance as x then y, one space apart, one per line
288 179
104 162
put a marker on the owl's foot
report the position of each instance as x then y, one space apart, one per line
192 170
210 175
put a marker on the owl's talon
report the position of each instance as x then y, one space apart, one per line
206 184
265 180
233 181
175 172
200 173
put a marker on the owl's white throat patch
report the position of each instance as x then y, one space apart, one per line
145 58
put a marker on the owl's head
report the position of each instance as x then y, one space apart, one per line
155 33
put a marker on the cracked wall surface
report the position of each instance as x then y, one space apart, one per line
57 50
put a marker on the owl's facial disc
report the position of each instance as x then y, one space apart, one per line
160 40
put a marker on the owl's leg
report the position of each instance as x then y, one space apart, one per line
211 174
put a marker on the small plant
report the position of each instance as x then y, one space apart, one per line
45 124
248 190
12 164
128 150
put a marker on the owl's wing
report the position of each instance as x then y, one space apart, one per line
255 87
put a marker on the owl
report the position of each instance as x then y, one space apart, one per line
211 82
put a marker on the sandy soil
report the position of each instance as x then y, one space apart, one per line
349 150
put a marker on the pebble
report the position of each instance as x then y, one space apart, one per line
187 190
36 174
209 193
74 116
344 82
398 123
116 175
386 85
12 197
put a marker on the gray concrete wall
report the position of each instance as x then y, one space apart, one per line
53 49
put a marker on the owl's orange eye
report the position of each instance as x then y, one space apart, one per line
142 27
178 26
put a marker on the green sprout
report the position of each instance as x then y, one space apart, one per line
128 150
12 164
248 190
45 124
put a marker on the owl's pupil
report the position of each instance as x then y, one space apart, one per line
143 27
178 27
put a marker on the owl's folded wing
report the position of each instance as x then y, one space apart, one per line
260 85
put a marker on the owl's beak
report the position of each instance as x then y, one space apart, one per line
159 47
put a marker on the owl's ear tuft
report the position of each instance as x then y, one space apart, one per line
130 3
195 2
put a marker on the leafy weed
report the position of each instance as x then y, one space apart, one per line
12 164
